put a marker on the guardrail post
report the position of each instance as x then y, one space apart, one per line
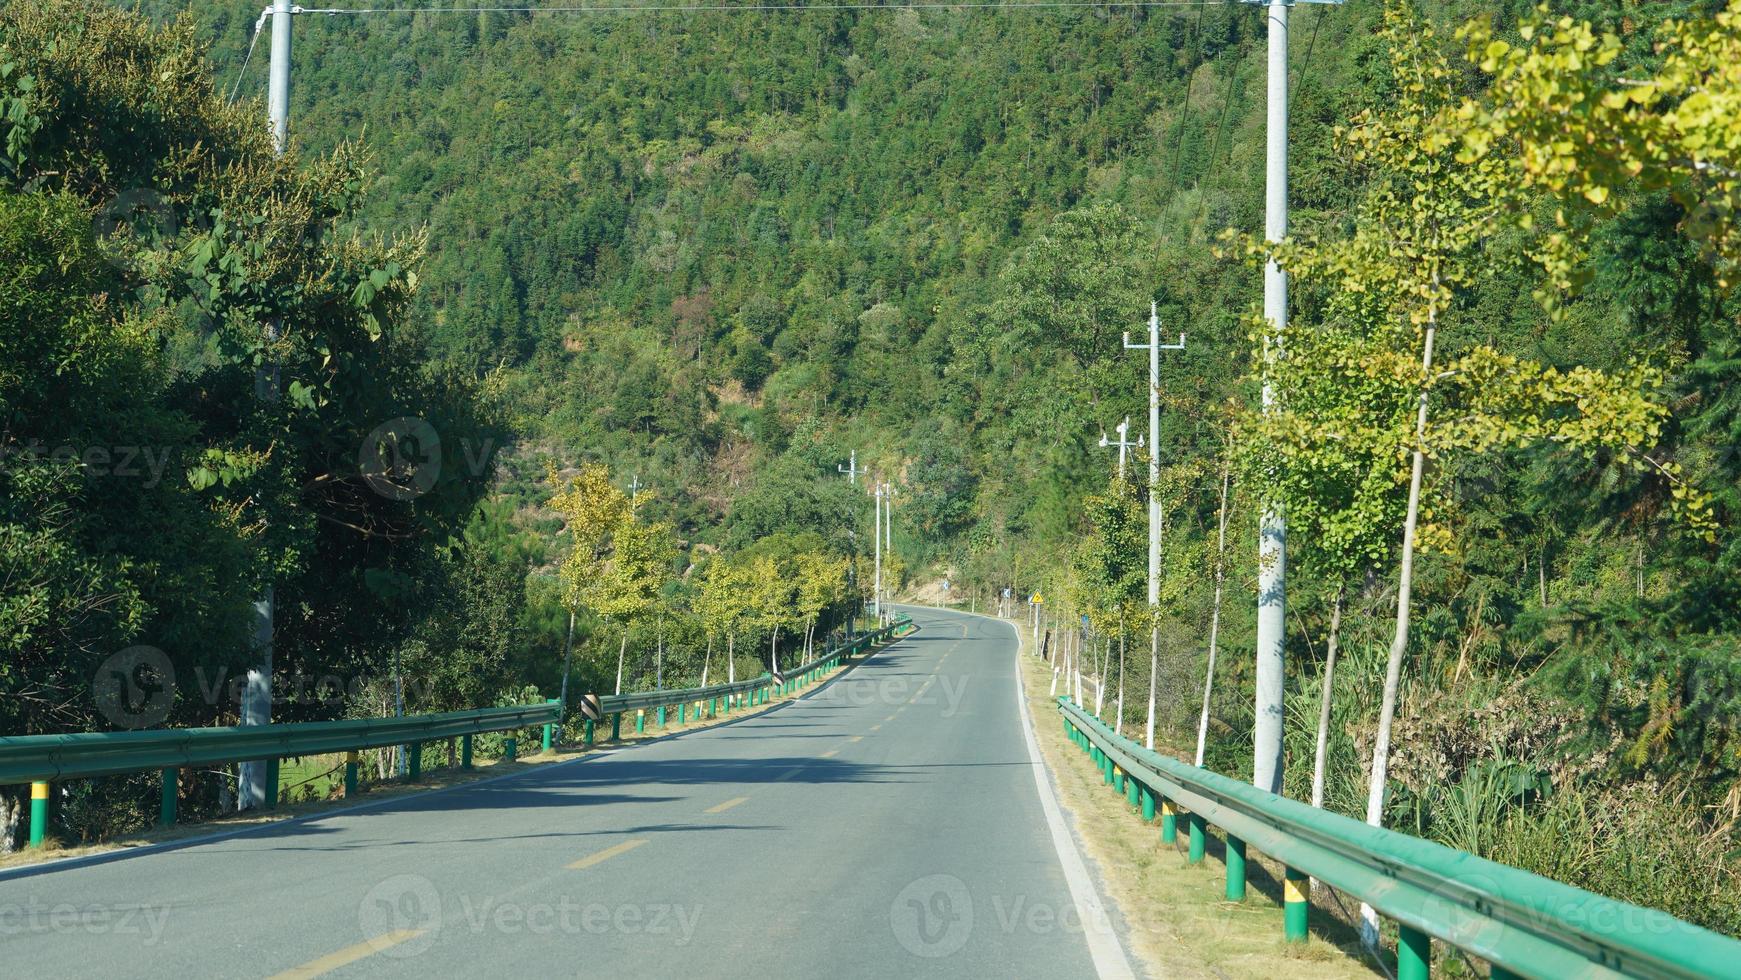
1414 954
166 810
661 716
589 732
549 727
350 774
465 751
1131 790
38 813
271 783
414 771
1148 804
683 713
1294 905
1169 822
510 749
617 726
1198 831
1497 972
1235 869
640 720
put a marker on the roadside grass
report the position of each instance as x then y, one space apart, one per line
315 783
1178 922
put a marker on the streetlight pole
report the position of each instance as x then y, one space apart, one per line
1154 347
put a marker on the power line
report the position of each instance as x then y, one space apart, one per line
252 40
769 7
1185 110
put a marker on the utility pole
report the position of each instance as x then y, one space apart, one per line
888 519
1154 347
1271 666
634 488
256 707
852 471
877 576
1122 442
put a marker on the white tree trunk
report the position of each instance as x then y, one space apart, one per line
1100 691
567 658
706 660
1154 673
1118 722
1400 641
1325 701
1214 615
731 667
622 651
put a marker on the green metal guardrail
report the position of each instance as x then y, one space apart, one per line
42 759
715 699
1522 924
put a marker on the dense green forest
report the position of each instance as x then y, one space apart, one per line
716 252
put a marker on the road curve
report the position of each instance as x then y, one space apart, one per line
889 824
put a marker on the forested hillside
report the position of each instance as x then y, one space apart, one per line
715 252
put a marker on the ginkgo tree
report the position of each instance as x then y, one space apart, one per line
592 508
1421 233
617 563
1110 562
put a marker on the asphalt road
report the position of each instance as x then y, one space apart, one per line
889 824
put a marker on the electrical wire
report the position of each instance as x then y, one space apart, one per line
1185 110
258 26
770 7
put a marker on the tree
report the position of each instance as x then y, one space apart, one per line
1421 232
592 509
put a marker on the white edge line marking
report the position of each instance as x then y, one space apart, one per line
1103 945
1104 948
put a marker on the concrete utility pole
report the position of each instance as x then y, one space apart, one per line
889 518
1154 347
1271 666
877 576
851 469
1122 442
256 707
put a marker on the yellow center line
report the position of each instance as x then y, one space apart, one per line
891 717
728 804
830 753
876 726
350 954
606 854
856 738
